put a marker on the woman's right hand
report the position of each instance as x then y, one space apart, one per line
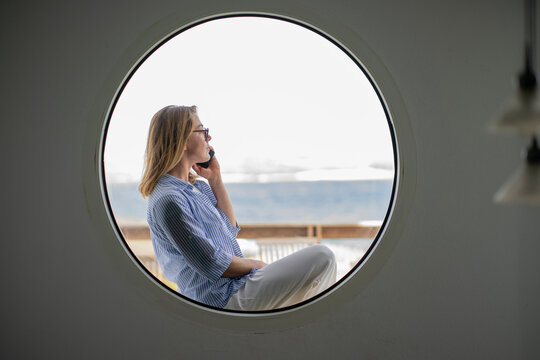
212 172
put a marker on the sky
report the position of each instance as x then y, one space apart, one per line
282 104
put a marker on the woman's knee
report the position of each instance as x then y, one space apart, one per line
323 255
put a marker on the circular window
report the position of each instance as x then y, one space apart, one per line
305 144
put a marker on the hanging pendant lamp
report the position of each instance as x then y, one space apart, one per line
524 185
521 113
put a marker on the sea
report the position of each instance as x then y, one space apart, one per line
301 202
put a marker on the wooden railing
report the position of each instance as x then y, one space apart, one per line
261 231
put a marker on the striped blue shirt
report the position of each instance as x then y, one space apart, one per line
194 240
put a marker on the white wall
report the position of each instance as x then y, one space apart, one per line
457 276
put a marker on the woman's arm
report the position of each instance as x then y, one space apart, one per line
240 266
222 197
173 214
213 175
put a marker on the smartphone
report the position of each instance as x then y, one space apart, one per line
206 164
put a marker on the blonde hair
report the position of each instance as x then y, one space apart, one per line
169 130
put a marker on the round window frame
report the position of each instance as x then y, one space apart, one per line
389 228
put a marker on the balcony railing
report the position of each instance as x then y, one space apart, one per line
258 231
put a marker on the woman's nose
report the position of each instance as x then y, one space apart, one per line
208 138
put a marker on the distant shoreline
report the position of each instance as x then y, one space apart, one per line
311 202
136 183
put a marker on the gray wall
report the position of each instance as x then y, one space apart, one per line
455 276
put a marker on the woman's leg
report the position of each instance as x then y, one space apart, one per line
288 281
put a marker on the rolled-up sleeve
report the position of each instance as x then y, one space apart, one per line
180 226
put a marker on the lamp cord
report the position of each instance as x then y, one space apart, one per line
527 79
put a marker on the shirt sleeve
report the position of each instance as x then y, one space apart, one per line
188 237
207 190
234 229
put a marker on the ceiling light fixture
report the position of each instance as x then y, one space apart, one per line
524 186
522 115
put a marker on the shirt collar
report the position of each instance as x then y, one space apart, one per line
173 180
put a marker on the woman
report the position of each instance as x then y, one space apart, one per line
193 226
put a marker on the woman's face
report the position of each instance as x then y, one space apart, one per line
197 147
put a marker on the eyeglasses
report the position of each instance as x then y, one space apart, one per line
206 132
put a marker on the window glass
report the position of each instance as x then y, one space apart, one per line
304 142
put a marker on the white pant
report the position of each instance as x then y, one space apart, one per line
288 281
